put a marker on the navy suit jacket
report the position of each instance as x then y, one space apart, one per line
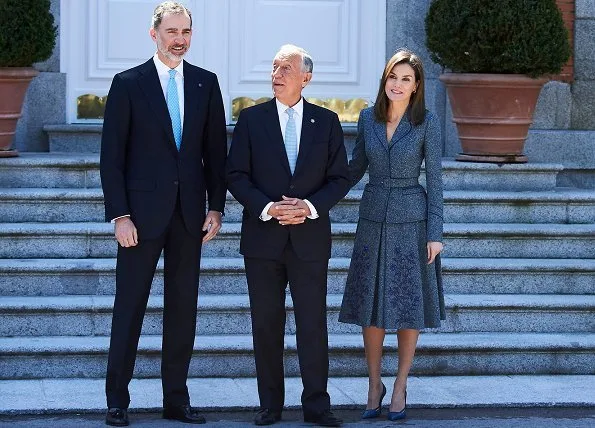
141 168
258 173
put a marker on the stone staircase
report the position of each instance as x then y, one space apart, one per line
519 277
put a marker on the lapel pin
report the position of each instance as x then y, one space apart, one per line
200 85
312 120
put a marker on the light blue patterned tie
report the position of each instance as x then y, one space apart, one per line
173 105
291 140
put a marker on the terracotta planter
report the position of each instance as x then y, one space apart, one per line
13 86
493 113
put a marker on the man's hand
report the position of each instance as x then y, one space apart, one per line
289 211
434 248
211 225
125 232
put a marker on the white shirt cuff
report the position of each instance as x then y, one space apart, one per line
313 213
264 216
122 216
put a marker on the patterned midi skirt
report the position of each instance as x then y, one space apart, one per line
390 285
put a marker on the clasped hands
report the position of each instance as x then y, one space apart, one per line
289 211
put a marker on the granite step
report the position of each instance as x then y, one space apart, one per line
232 355
57 277
82 240
460 206
81 170
72 139
569 148
562 205
230 314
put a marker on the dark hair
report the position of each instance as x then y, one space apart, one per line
172 7
417 103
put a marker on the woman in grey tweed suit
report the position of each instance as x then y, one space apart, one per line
394 279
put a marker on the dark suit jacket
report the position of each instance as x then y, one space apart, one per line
258 173
141 169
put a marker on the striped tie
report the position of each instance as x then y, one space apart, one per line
173 105
291 140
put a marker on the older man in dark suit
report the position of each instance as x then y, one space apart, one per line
163 151
287 166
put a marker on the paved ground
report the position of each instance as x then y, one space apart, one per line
438 402
51 396
433 418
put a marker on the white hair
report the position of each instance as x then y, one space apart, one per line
287 51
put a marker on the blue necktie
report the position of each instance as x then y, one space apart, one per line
291 140
173 105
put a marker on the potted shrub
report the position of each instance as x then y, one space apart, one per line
499 54
27 35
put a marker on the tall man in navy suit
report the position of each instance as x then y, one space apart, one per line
163 152
287 166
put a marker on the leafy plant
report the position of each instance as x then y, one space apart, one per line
497 36
27 32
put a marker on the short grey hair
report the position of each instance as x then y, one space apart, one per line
171 7
286 51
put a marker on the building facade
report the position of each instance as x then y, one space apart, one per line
349 39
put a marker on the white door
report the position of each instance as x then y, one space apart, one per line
236 39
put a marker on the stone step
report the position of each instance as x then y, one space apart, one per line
80 170
48 397
57 277
230 314
469 206
232 355
47 170
460 206
571 149
81 240
73 139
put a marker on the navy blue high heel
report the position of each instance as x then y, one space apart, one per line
374 413
395 416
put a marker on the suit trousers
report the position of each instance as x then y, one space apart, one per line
267 281
134 274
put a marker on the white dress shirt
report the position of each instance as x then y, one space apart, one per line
298 115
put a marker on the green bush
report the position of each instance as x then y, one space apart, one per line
497 36
27 32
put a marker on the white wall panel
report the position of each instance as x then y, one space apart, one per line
236 39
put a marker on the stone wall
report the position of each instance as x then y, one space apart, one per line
583 89
45 102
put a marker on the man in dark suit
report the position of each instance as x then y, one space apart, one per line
163 151
287 166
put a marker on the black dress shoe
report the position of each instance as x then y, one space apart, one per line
183 413
117 417
267 417
324 419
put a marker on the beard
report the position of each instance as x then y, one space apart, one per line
168 54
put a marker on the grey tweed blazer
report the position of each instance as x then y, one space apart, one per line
393 193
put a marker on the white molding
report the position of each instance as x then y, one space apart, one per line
232 38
